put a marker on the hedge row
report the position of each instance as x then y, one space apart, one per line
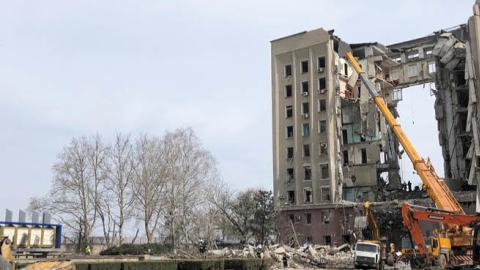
229 264
137 249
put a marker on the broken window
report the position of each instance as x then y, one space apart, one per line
322 105
322 84
321 63
291 196
306 129
308 172
305 108
290 174
413 54
288 90
323 149
328 240
289 152
322 126
325 194
308 218
289 131
305 66
325 217
345 158
306 150
288 70
291 218
289 111
364 156
308 195
305 88
324 171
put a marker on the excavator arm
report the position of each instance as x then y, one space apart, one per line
412 214
436 187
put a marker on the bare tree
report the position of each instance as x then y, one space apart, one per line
75 194
119 183
189 168
149 182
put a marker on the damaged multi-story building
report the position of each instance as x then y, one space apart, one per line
331 146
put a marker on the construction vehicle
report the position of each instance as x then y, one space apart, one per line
440 251
460 238
370 253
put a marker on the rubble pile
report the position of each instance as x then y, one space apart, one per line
307 256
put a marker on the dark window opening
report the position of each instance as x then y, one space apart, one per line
321 62
305 88
324 171
308 218
322 105
308 173
289 131
306 150
364 156
323 149
345 68
288 70
325 194
290 173
289 111
289 152
347 238
345 136
291 197
322 126
288 90
328 240
305 108
291 217
308 196
322 84
345 158
304 66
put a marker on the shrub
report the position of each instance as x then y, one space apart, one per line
134 249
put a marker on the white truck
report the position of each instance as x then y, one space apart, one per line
368 254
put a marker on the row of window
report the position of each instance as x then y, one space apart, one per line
322 128
307 172
322 107
346 159
306 151
308 195
322 85
304 67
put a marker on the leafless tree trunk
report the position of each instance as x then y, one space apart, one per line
189 168
121 174
75 194
149 182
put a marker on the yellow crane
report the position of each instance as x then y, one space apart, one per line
436 188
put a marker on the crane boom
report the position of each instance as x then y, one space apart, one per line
436 187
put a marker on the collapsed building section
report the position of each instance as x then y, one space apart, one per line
332 147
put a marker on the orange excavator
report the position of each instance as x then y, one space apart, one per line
457 226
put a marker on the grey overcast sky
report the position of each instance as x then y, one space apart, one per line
72 68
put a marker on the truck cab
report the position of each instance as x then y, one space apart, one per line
368 254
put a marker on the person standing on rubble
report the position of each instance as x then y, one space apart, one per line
285 260
409 186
